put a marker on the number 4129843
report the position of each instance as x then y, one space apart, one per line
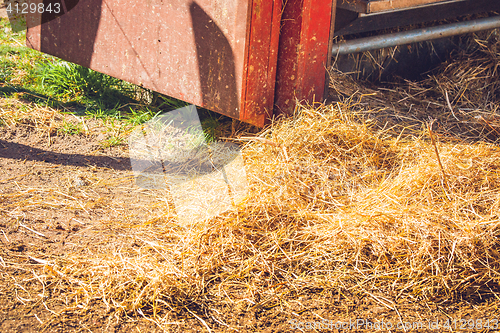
471 324
32 8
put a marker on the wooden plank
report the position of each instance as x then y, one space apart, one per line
304 53
384 5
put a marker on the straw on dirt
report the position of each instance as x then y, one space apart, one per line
342 204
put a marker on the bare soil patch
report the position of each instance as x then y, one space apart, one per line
63 194
74 199
354 213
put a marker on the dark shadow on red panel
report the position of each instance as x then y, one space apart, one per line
75 35
215 63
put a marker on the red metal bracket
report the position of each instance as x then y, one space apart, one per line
260 67
304 52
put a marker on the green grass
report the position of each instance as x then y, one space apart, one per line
112 141
49 79
70 128
18 64
7 36
71 82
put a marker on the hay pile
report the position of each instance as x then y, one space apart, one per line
333 209
341 202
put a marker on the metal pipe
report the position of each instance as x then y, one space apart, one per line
415 36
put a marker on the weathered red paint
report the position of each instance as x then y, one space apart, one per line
218 54
304 55
236 57
260 69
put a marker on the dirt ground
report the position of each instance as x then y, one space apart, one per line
62 194
65 195
70 164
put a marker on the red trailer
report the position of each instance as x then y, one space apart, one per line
248 59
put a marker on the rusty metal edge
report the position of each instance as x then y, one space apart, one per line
304 54
261 58
316 35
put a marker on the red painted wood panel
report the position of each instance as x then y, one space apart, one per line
260 69
218 54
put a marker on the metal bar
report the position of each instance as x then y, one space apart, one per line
380 6
415 36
